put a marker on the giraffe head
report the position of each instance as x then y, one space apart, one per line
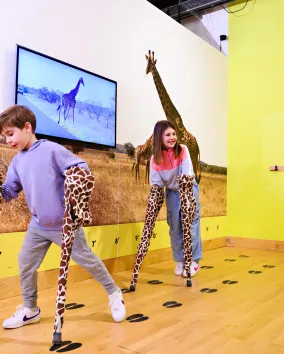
151 62
81 81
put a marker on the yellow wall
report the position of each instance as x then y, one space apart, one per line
103 241
255 200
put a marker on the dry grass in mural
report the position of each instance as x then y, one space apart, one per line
117 197
14 215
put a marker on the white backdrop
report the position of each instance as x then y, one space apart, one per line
110 38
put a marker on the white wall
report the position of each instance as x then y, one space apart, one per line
110 38
209 26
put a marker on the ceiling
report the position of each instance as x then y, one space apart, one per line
179 10
162 4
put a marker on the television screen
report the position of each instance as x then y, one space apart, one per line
69 102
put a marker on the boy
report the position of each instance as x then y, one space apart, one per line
38 170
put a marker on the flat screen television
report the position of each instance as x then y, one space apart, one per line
71 104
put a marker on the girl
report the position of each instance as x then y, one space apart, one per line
169 160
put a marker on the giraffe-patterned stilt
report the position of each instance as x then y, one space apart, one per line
155 202
188 209
78 187
69 101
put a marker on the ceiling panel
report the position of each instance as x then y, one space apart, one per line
162 4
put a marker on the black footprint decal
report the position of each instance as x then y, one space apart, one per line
155 282
208 290
66 346
137 318
171 304
243 256
55 347
229 260
69 347
255 272
73 306
207 267
125 291
229 282
268 266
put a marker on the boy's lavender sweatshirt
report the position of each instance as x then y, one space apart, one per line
39 173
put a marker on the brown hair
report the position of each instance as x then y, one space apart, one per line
159 129
17 116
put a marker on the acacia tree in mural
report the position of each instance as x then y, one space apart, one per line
130 150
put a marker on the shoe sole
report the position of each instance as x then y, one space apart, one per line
118 320
24 324
192 275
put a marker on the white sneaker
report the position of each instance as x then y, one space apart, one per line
22 317
179 268
116 305
194 268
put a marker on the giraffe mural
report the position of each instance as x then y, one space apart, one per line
184 137
143 152
78 187
69 101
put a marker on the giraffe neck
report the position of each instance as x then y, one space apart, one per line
76 89
170 110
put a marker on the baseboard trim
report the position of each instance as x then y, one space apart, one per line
214 243
268 245
10 287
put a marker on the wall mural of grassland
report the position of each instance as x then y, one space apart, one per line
118 197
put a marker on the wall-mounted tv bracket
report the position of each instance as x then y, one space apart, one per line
276 168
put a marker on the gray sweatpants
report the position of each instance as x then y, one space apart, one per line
34 248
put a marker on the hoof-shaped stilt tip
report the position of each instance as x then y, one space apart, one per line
189 283
57 338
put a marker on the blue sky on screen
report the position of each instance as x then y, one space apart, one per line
37 71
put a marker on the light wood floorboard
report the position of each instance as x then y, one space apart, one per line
245 317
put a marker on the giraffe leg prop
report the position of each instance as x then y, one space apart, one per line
66 249
155 202
188 209
78 187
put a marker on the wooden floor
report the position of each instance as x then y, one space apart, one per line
244 315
